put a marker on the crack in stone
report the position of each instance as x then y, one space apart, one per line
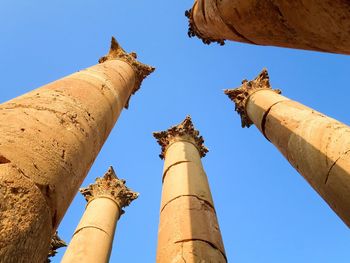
39 108
335 162
232 28
94 227
264 118
204 241
200 199
174 164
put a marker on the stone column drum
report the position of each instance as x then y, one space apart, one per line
317 146
93 238
308 24
49 139
188 228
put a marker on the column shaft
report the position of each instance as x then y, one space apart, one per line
93 238
188 228
311 24
317 146
49 140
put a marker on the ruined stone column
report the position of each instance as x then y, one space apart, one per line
93 238
317 146
49 139
188 227
309 24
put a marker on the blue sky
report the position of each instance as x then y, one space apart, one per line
267 212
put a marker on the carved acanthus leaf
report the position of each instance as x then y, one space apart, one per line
141 70
110 185
240 95
56 243
184 130
194 32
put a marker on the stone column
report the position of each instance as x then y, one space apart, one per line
93 238
311 24
317 146
49 139
188 227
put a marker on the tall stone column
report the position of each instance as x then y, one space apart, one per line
93 238
317 146
188 227
49 139
309 24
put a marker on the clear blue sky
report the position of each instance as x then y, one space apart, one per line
267 212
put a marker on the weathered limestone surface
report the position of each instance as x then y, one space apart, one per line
317 146
92 240
188 228
303 24
49 139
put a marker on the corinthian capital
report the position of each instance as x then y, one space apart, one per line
56 243
241 95
184 130
141 70
113 187
193 31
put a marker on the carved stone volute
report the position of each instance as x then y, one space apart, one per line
194 32
111 186
185 130
240 95
56 243
141 70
